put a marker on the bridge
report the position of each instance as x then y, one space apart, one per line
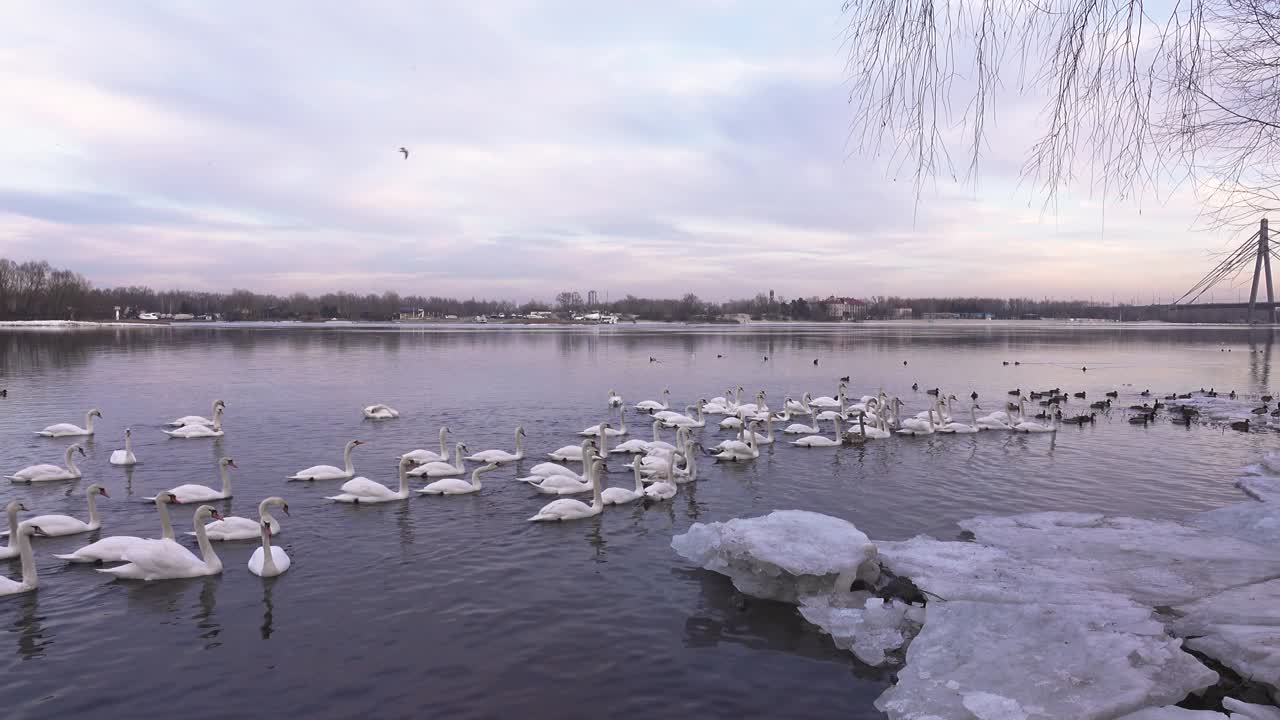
1257 249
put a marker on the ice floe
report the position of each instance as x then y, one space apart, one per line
868 626
1239 627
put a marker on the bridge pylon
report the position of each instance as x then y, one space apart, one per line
1263 263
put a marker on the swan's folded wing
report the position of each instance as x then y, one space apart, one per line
364 487
161 558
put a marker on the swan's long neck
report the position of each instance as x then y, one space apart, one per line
973 416
217 419
444 450
656 437
622 420
226 480
666 399
457 455
346 459
404 481
835 423
206 549
768 426
268 560
604 440
69 458
520 445
634 465
94 520
475 477
128 443
597 497
28 560
13 525
166 527
88 422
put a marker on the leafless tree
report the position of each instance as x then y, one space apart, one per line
1138 98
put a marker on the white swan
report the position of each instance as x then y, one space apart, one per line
165 559
440 469
826 402
820 440
637 445
241 528
740 450
59 525
48 473
1030 426
998 420
568 509
767 438
801 429
454 486
800 407
615 400
961 428
622 496
28 582
422 456
548 469
575 452
69 430
268 560
363 490
664 489
125 456
654 404
501 456
12 510
329 472
567 484
686 421
113 549
874 432
199 431
731 423
753 408
594 430
380 411
197 419
916 427
202 493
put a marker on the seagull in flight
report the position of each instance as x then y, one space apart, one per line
406 152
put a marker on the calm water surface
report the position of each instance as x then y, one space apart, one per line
457 607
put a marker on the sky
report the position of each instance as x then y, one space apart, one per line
651 148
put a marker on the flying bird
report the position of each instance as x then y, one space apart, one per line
406 152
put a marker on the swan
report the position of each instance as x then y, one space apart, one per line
167 560
998 420
454 486
125 456
689 472
622 496
875 432
575 452
660 445
440 469
501 456
914 427
47 473
199 431
113 549
753 408
594 430
363 490
638 446
825 402
380 412
239 528
69 430
664 489
566 484
547 469
28 582
801 429
961 428
686 421
1030 426
12 510
731 423
569 509
654 404
740 450
59 525
329 472
719 405
840 412
615 400
202 493
196 419
268 560
422 456
767 438
800 407
820 440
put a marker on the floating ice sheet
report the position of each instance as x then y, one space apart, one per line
867 626
1240 628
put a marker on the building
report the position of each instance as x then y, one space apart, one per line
845 308
901 314
593 298
410 313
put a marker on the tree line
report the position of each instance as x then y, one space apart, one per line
34 290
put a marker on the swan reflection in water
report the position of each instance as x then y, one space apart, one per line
29 627
268 618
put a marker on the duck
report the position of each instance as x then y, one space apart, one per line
197 419
69 430
329 472
28 582
125 456
268 560
422 456
202 493
1241 425
380 411
455 486
199 431
1260 410
61 525
113 548
363 491
501 456
165 559
50 473
439 469
566 509
240 528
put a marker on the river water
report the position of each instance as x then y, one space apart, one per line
457 607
